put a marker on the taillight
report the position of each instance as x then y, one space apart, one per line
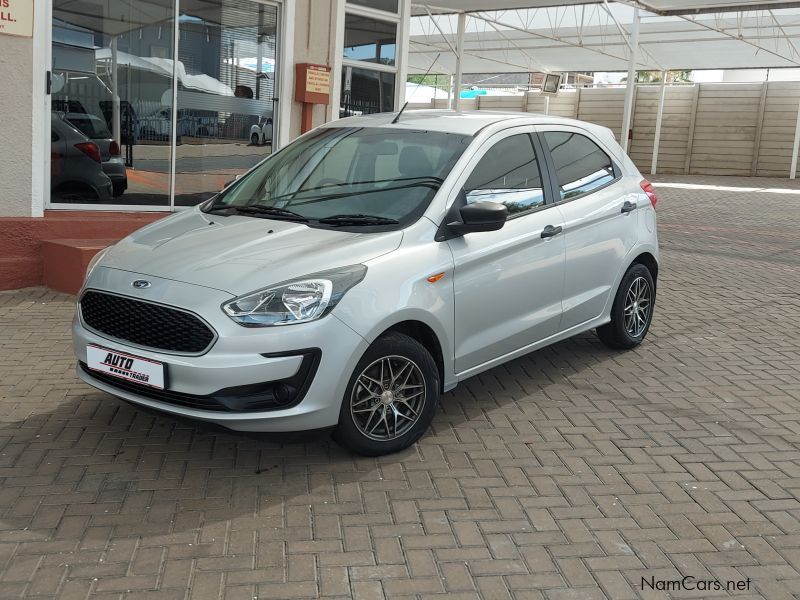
648 189
113 148
91 150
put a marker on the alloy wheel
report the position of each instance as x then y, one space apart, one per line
638 304
388 398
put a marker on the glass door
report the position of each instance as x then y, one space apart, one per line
111 135
227 91
129 117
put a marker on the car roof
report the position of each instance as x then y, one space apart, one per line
449 121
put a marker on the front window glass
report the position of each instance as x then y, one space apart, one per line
348 176
508 173
581 166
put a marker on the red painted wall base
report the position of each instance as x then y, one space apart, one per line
21 240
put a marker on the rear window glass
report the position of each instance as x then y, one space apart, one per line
91 128
581 165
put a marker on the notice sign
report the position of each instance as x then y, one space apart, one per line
16 17
312 83
318 79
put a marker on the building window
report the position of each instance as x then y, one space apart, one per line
370 40
385 5
365 91
370 59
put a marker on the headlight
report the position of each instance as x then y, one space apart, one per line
295 301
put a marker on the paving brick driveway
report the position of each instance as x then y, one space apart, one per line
570 473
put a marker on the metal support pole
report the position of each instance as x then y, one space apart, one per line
452 94
547 105
659 118
795 147
116 129
462 23
631 85
173 155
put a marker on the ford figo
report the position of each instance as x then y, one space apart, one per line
353 277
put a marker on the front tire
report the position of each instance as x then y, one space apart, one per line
391 397
254 139
632 311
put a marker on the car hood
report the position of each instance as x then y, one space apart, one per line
239 254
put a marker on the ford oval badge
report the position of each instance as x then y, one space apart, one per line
141 284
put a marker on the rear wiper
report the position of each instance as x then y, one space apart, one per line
357 219
270 211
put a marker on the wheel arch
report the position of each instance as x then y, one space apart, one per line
640 255
425 335
649 261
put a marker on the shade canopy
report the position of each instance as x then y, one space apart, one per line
596 36
665 7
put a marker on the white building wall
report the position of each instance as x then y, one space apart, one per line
23 127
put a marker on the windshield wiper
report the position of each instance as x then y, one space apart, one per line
270 211
216 207
357 219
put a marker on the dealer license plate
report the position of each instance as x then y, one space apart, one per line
125 366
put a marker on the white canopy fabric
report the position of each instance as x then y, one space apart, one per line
163 66
596 37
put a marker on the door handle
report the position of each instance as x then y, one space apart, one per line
550 231
628 207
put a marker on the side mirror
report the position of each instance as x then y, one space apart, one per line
480 216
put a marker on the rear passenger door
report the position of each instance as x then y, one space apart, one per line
598 229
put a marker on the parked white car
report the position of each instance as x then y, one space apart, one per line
357 274
262 133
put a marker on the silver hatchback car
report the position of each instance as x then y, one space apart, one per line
357 274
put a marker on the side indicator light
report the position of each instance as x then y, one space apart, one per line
435 278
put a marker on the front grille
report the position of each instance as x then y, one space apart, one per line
145 324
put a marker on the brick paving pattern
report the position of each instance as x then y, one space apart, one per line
570 473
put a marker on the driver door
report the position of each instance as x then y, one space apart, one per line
508 283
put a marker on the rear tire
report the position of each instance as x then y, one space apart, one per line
632 311
119 188
390 399
254 139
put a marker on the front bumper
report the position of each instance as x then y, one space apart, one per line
241 363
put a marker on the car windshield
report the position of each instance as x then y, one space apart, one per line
348 176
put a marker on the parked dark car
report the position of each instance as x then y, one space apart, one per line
96 130
76 165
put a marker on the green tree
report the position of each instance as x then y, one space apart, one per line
433 80
655 76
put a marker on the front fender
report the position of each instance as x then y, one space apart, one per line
397 289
